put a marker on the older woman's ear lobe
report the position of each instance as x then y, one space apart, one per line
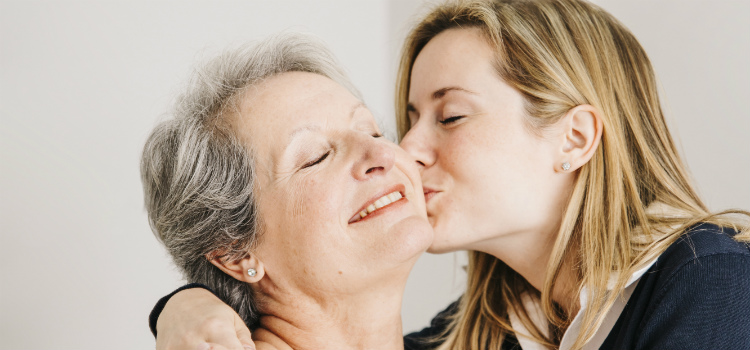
255 270
248 269
582 132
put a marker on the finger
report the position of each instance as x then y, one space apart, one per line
222 331
226 339
226 343
243 334
211 346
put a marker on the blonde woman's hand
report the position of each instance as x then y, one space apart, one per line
195 319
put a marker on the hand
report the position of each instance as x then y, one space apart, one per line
195 319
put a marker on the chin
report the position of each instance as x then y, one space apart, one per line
444 240
442 246
438 249
412 237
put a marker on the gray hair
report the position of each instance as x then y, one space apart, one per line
198 177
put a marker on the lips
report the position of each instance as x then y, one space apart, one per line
429 193
378 202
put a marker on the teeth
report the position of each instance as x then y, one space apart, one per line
381 202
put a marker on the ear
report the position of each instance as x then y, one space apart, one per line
239 268
582 131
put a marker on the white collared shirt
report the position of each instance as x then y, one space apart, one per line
537 316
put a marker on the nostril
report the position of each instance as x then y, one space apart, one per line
374 169
420 163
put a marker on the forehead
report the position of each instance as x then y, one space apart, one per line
453 53
270 110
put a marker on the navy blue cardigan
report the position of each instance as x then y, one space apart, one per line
696 296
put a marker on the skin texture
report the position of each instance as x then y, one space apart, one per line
319 160
492 184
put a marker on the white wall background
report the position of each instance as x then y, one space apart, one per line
82 83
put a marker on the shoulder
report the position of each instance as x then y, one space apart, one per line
705 255
699 243
695 296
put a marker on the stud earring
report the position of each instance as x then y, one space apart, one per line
252 272
566 166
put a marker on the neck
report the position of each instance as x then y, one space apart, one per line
366 320
528 254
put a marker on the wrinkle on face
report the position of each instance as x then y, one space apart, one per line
309 246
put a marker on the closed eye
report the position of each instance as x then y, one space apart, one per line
317 161
450 120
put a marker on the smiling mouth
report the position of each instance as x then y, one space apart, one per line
380 203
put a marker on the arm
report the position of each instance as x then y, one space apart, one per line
705 305
192 317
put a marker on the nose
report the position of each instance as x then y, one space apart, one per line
420 145
377 158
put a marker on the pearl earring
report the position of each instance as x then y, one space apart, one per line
566 166
252 272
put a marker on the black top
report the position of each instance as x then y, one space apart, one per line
425 339
696 296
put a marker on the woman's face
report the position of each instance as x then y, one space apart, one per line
320 166
486 177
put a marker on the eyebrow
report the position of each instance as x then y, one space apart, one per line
305 128
312 127
300 130
440 93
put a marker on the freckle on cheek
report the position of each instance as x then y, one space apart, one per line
340 272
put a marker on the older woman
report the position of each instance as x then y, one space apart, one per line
273 186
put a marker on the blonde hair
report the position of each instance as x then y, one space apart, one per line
560 54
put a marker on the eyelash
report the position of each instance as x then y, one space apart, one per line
317 161
324 156
450 120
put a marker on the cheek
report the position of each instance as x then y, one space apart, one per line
497 182
315 213
301 217
313 201
477 160
470 168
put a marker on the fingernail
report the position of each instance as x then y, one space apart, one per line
203 346
248 347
